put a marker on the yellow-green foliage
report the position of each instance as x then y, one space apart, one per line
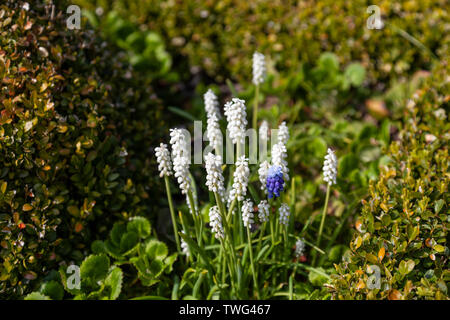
221 36
76 126
403 228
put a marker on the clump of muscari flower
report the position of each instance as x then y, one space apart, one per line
247 213
163 158
180 158
275 181
330 168
263 211
236 114
214 175
299 248
259 68
215 221
284 214
240 179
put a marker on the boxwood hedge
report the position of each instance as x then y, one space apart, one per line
400 249
76 126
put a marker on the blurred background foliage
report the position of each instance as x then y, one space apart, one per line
219 37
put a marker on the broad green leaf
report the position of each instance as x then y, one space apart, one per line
116 233
355 74
141 226
156 250
129 241
169 262
36 296
94 268
317 278
98 246
328 61
156 267
114 281
52 289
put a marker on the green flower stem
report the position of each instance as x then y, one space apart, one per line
322 222
255 108
277 229
261 233
255 280
184 224
197 219
225 262
285 238
241 231
291 284
230 210
272 230
172 214
238 150
227 229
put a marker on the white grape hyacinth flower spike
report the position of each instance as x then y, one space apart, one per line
211 104
330 168
263 211
164 162
284 214
247 213
299 248
180 158
215 221
240 181
259 68
214 174
236 114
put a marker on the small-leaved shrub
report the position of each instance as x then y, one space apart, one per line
76 128
400 249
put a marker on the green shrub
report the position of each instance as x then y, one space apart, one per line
402 233
76 128
220 36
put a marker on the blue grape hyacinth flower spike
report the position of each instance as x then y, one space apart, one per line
275 181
